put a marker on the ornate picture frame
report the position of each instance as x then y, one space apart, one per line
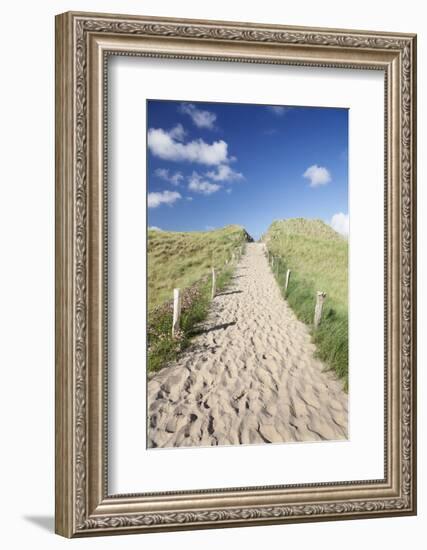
84 506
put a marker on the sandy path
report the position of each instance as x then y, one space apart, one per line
250 377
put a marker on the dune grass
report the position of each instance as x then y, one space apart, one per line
318 259
178 260
185 260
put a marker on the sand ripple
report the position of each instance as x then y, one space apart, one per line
250 376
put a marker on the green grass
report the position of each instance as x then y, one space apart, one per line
318 259
178 260
185 260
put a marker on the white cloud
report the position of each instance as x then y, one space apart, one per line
165 197
210 228
223 172
340 222
228 191
155 228
199 185
176 178
278 109
177 132
189 198
165 145
318 175
164 174
200 117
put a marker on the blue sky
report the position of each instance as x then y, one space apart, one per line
214 164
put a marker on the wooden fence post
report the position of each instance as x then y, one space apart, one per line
288 274
176 311
320 298
213 283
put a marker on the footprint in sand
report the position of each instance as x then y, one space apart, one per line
255 381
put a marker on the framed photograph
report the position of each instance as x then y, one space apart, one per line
235 274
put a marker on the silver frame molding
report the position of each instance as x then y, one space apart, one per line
83 43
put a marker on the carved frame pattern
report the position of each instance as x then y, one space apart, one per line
75 513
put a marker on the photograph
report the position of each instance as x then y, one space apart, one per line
247 274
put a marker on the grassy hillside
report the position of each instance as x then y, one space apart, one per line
184 260
318 259
178 260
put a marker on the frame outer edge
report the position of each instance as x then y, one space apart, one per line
232 23
64 237
73 515
414 271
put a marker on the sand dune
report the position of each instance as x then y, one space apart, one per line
250 376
